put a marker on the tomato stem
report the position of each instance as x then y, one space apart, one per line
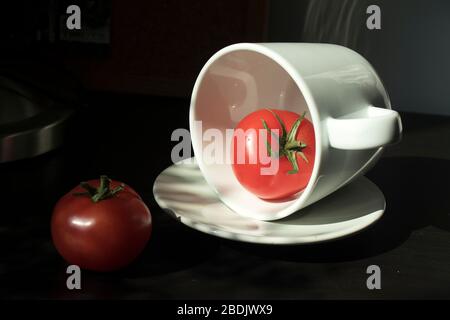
289 145
103 191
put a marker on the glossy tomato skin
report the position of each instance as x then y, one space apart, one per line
102 236
280 185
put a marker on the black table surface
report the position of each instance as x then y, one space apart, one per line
128 138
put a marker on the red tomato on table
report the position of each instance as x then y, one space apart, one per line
101 225
296 153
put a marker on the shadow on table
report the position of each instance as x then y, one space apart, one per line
417 195
173 247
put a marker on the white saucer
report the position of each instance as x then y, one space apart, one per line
182 191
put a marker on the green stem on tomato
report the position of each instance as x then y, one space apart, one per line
103 191
289 146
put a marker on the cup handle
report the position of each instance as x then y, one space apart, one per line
375 128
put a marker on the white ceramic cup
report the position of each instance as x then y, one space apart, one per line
341 92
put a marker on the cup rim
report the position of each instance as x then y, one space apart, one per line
312 108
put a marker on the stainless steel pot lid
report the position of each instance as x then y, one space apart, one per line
33 136
30 123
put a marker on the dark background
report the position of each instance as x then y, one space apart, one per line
129 72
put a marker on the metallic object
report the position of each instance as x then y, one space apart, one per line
30 123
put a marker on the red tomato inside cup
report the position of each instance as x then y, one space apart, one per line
295 150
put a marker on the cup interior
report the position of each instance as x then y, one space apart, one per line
230 86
